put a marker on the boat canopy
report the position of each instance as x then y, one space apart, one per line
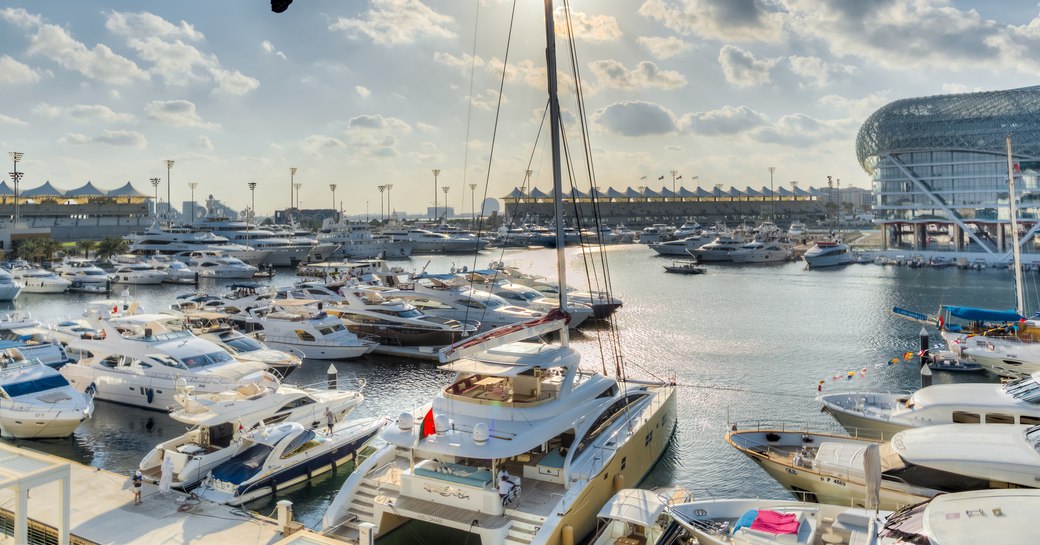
634 506
983 314
478 367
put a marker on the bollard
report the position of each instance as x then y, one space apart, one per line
366 533
284 515
333 378
619 482
924 346
567 535
926 376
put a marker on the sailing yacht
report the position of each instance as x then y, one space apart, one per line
518 412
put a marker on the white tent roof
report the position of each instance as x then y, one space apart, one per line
126 191
45 190
87 190
5 189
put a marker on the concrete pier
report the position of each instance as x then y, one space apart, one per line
103 511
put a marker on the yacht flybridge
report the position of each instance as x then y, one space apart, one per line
566 437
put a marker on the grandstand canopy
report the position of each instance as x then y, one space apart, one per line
668 193
701 193
597 193
5 189
784 192
539 194
750 192
615 194
651 194
683 192
766 192
717 192
734 192
516 194
632 193
127 191
87 190
578 194
45 190
799 192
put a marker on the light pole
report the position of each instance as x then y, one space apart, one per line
389 209
16 156
252 208
436 172
382 188
527 183
169 203
772 196
334 208
297 185
366 208
193 185
155 185
445 190
473 204
674 174
292 183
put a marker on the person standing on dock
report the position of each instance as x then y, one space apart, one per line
137 481
330 419
166 479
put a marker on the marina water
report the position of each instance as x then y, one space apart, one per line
745 343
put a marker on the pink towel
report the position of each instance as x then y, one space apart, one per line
776 523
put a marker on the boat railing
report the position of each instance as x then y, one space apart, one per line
786 426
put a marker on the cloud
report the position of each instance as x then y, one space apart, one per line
664 48
594 28
13 72
487 101
378 122
800 130
744 69
98 113
268 47
178 113
645 75
55 43
729 20
636 118
46 110
318 144
815 70
461 62
179 64
362 91
112 138
144 24
723 121
8 120
203 142
396 22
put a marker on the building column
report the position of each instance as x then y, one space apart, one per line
21 515
958 237
64 510
920 236
884 236
1001 236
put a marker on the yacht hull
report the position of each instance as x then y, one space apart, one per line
42 424
406 336
865 426
37 286
321 351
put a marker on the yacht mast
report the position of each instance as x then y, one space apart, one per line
1014 231
554 124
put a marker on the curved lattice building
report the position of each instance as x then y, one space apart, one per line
939 167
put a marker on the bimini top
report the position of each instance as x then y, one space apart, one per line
634 506
968 121
983 314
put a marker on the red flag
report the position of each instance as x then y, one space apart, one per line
428 428
1016 167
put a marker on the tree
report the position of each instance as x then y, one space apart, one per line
111 246
847 207
86 246
832 209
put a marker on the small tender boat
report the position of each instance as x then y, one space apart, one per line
636 516
278 457
685 267
36 402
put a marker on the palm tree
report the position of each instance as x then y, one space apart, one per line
111 246
28 249
48 247
86 246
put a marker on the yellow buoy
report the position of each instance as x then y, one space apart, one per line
619 482
567 535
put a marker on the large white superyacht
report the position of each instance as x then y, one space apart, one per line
180 242
285 251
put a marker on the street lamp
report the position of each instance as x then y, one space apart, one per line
155 185
252 208
389 209
473 203
382 188
436 172
674 174
297 185
445 190
334 208
292 183
16 156
169 203
527 183
772 196
193 185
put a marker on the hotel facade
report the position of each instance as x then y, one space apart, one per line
940 170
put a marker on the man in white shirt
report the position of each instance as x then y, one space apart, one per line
505 487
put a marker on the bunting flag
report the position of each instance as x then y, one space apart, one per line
908 356
642 177
679 177
862 372
660 177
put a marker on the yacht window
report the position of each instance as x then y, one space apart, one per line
244 344
35 386
604 420
1028 420
304 336
305 441
1000 419
936 479
297 403
470 303
110 361
962 417
1033 436
165 360
326 330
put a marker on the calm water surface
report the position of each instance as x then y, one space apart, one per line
746 343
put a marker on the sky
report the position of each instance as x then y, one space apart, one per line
364 93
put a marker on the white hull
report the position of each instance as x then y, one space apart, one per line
235 274
9 292
45 287
823 261
44 423
288 256
674 249
146 391
321 351
139 279
760 257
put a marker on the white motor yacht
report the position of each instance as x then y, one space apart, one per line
140 362
301 326
354 240
948 519
719 250
9 289
525 296
277 457
437 297
180 242
916 464
37 280
216 265
425 241
177 272
682 246
880 415
687 230
797 229
759 251
138 273
82 272
284 251
603 304
828 253
218 421
36 402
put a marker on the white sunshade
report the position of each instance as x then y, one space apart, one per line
478 367
634 506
